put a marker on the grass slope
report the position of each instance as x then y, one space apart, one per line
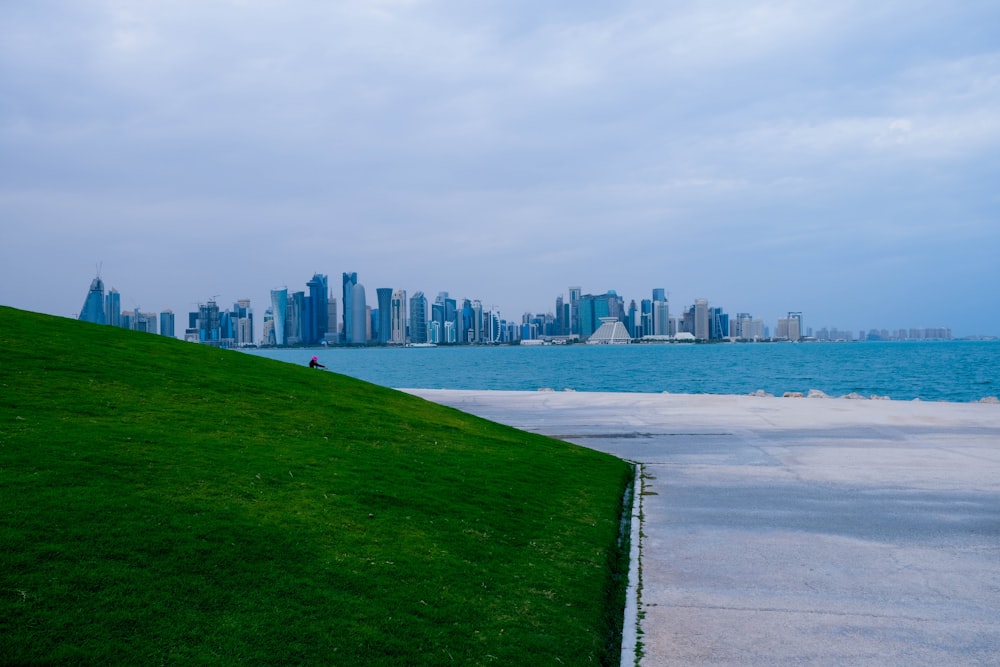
163 502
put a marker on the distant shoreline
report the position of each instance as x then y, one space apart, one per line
811 396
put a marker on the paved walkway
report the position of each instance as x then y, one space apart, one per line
798 531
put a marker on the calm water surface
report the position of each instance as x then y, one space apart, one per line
948 371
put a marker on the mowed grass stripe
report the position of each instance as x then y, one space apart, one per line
164 502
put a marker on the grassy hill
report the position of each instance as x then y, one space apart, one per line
168 503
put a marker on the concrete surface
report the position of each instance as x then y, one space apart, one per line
798 531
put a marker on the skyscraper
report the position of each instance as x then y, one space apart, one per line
279 304
701 330
359 316
718 324
661 318
397 318
574 309
494 328
451 313
318 310
593 308
167 324
384 296
242 316
686 323
268 328
744 326
465 317
347 331
790 328
93 305
646 316
332 334
209 323
587 315
436 321
145 322
477 321
296 318
418 318
113 308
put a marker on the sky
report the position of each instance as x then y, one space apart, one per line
839 159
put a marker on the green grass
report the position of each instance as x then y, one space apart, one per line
168 503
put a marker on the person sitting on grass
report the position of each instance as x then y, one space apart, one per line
314 363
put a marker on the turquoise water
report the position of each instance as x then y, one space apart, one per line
934 371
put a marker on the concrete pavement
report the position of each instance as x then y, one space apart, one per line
798 531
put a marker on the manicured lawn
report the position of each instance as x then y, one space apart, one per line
168 503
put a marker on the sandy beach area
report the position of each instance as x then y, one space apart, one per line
797 530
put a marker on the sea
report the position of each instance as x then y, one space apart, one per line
956 371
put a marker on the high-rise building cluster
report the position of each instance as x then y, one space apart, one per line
105 308
301 318
648 320
317 315
221 328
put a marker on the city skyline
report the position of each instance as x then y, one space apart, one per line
835 159
314 318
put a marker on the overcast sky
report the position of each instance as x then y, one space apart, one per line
841 159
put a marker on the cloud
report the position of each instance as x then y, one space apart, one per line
704 147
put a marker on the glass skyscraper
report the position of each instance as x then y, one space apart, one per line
575 293
243 322
384 295
93 306
318 316
279 304
113 308
397 319
167 323
701 319
359 315
296 319
349 281
418 318
593 308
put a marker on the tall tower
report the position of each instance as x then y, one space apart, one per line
451 312
350 280
646 316
397 317
384 295
494 328
296 319
477 321
167 323
701 330
93 306
332 332
359 318
418 318
209 323
113 308
634 321
794 326
279 304
243 316
318 318
574 309
586 317
661 318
